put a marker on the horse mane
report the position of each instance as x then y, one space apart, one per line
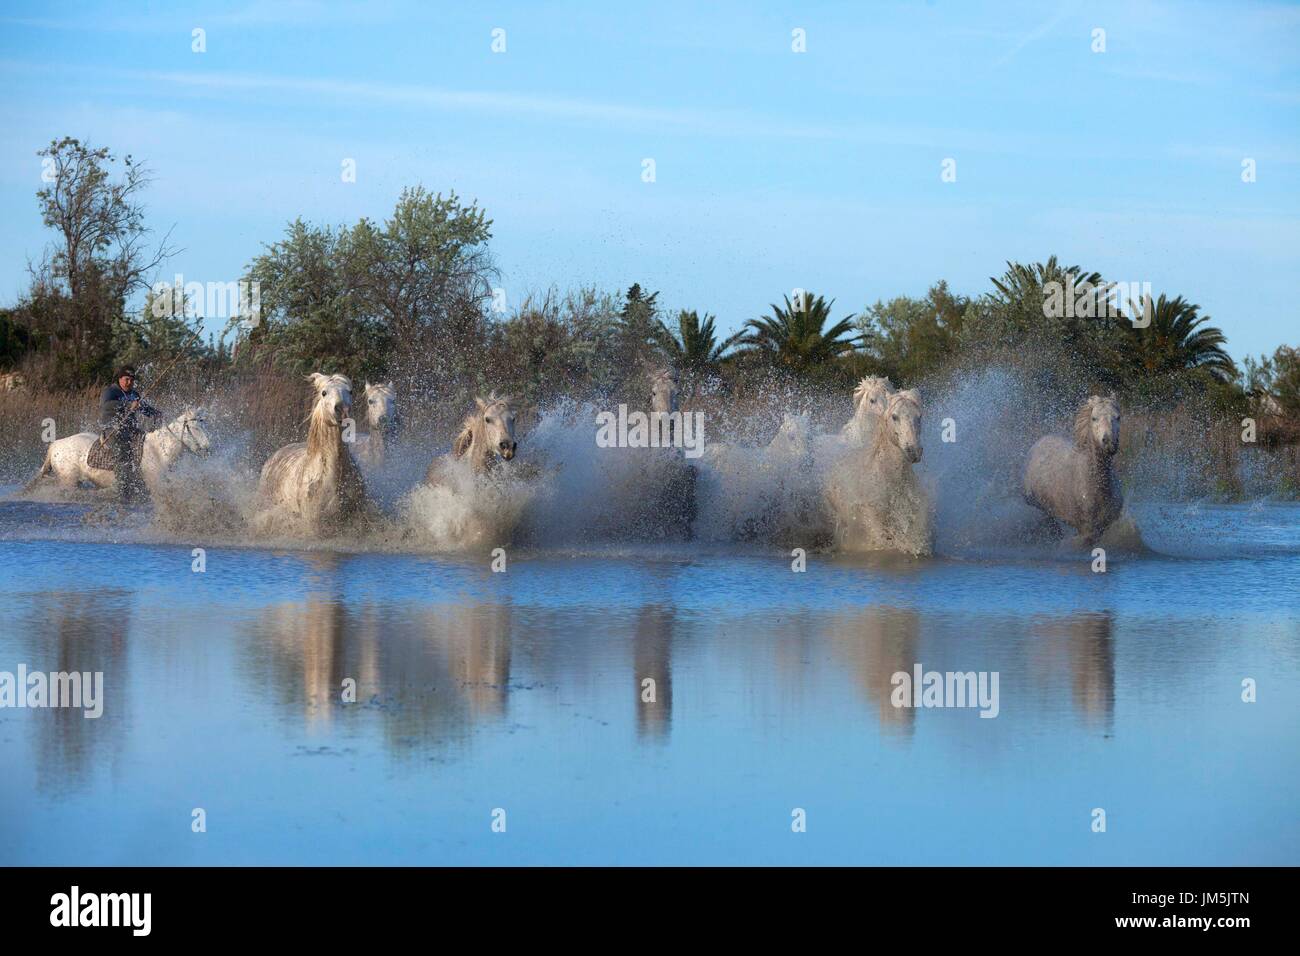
321 431
860 391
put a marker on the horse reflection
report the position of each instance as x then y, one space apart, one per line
652 670
71 631
880 642
1085 644
422 670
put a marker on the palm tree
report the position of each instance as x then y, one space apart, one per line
1025 283
694 346
1177 340
797 337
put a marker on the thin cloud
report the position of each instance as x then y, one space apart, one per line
1034 36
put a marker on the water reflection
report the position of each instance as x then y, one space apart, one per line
1083 646
65 632
876 644
430 676
428 672
652 660
433 673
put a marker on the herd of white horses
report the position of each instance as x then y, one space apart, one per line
870 493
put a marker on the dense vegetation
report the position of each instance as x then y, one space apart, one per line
412 298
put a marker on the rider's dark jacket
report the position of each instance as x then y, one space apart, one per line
114 414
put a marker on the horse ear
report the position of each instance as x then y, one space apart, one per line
367 388
482 405
462 443
389 386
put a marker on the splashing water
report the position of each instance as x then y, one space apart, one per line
564 491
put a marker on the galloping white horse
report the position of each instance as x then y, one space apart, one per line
467 500
791 445
1076 484
315 485
382 422
874 496
869 401
66 458
486 434
674 506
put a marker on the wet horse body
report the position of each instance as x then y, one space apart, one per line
67 459
1075 482
315 486
873 493
382 425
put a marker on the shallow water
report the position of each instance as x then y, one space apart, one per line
523 691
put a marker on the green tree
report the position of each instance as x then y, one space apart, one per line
1175 346
555 347
98 260
1286 380
16 339
408 291
693 347
313 315
797 338
1058 322
167 328
425 260
636 341
914 337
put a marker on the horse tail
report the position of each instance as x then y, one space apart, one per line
44 470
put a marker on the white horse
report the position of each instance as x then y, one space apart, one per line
1076 483
486 435
467 499
674 504
792 442
767 492
869 401
382 422
663 390
66 458
874 495
314 485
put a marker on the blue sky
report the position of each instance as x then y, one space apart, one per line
774 169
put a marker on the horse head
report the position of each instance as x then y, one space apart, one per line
381 407
1096 425
489 431
333 398
901 423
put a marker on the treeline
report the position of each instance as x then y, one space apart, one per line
416 298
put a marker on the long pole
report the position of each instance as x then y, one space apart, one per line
163 374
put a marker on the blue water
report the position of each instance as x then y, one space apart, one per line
522 691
